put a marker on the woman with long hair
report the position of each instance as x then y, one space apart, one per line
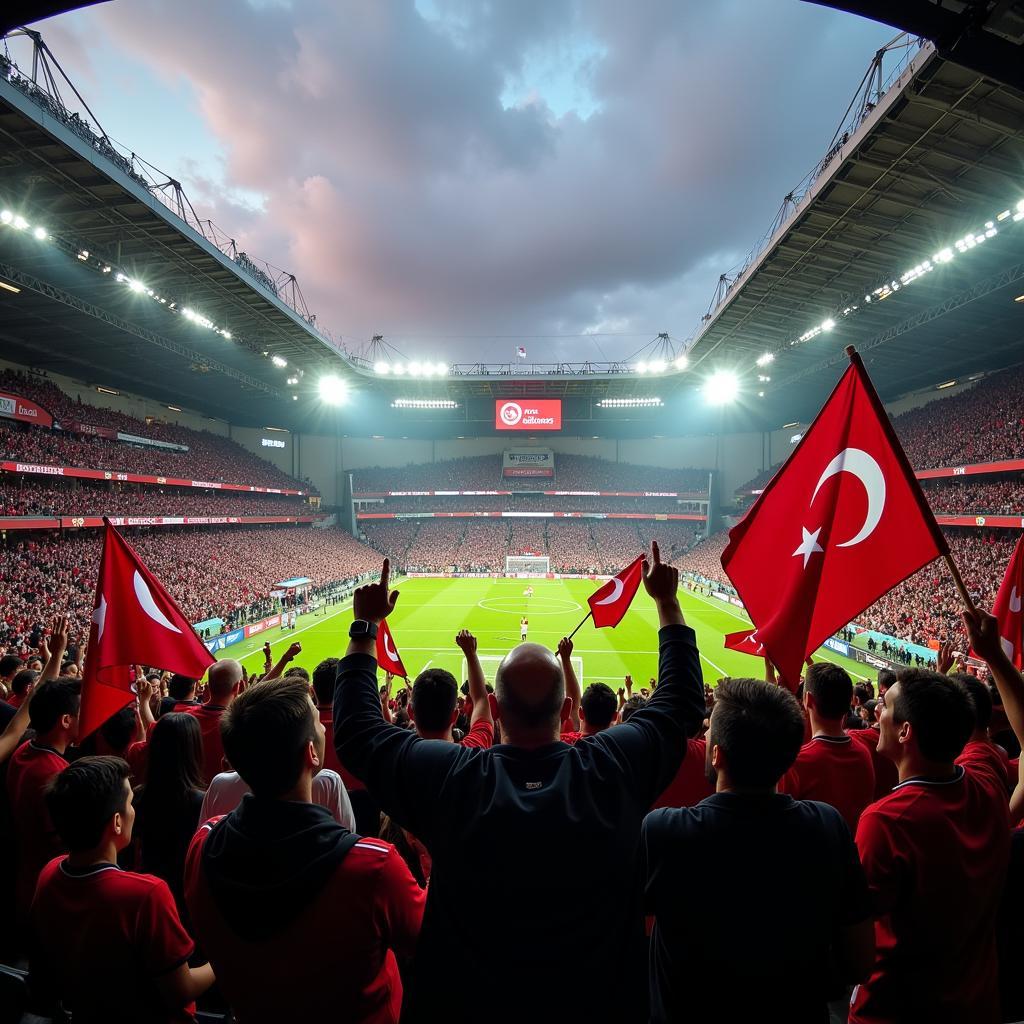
168 805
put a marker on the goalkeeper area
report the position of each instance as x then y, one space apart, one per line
431 611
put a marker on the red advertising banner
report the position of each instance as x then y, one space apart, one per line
1014 522
135 478
528 414
1003 466
80 522
15 407
535 471
90 429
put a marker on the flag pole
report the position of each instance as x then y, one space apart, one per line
577 629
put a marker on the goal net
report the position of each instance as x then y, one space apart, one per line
490 662
527 565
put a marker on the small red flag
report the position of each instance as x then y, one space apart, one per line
610 603
841 523
746 642
387 653
134 622
1007 607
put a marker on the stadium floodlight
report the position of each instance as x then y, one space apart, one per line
764 360
760 394
40 234
415 368
279 361
828 324
135 285
629 403
293 381
721 387
381 369
6 216
657 366
682 362
441 369
19 223
398 369
424 403
763 378
333 390
641 367
427 370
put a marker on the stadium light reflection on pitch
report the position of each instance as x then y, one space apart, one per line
333 390
721 387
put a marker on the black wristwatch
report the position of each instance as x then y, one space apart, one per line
362 630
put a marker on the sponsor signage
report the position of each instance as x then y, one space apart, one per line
218 643
272 442
151 442
1001 466
14 407
839 646
528 414
77 522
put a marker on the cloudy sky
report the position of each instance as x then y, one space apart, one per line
462 176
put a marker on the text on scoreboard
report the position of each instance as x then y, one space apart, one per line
528 414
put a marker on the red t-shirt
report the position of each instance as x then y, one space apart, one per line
480 735
886 773
16 700
335 958
985 751
208 716
690 785
331 755
102 936
30 769
935 856
836 771
571 738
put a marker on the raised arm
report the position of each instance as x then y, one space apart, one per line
572 684
477 684
983 630
294 650
10 738
60 629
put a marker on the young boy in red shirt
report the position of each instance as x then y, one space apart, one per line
108 944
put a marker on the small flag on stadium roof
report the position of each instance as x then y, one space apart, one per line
746 642
134 622
840 524
611 602
521 352
387 653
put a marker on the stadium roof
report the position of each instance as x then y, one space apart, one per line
923 159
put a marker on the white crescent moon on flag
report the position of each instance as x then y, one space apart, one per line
148 605
388 649
864 467
1014 600
616 593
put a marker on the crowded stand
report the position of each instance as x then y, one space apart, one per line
995 495
572 473
531 502
212 574
28 496
209 456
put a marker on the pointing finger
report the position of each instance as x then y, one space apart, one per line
656 552
385 573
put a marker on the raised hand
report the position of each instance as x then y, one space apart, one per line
294 650
374 602
466 642
983 631
661 580
944 661
565 648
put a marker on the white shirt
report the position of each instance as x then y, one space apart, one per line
227 789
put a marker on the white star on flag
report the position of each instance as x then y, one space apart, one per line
808 545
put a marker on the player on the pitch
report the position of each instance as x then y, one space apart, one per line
524 625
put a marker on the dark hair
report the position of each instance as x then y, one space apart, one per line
298 672
119 729
759 728
180 686
173 773
433 699
864 692
599 705
324 676
938 709
53 699
871 705
84 797
265 730
9 664
886 677
23 680
831 687
631 707
981 697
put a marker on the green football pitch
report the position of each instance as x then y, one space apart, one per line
431 611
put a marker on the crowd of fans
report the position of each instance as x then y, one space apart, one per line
286 846
209 456
532 503
50 571
32 496
995 495
572 473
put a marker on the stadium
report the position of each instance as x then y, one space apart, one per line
171 403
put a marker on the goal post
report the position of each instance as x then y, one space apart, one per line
490 662
527 565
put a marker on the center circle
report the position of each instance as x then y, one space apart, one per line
537 606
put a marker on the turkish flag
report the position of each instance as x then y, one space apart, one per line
840 524
1007 608
387 653
609 604
746 642
134 622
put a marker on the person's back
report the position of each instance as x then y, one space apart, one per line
690 784
726 950
530 823
301 918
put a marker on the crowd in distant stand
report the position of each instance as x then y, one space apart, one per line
31 496
534 503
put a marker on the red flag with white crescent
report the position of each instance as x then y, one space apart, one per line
841 523
134 622
387 653
1007 607
746 642
610 603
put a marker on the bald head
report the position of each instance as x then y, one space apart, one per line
224 678
529 688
